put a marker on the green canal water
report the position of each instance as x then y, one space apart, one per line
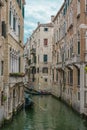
47 114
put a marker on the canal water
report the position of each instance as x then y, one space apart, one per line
47 114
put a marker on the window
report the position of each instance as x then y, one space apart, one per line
45 70
56 75
19 64
37 70
68 53
45 58
14 23
78 74
19 31
78 8
64 80
2 97
10 13
63 57
14 66
33 70
4 29
45 29
2 65
86 5
45 42
71 17
71 77
68 2
78 47
53 75
19 3
78 95
38 58
57 58
23 11
10 17
85 98
45 79
14 93
71 51
34 59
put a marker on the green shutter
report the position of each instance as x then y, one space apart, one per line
10 17
23 11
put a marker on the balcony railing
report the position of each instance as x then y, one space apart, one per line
76 59
72 60
59 65
33 64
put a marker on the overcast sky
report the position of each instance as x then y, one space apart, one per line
39 11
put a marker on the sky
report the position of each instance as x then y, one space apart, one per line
39 11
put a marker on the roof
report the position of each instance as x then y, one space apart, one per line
42 25
59 11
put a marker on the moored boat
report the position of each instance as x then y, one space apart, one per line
28 101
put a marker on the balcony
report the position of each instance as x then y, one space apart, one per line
73 60
59 65
33 51
68 62
33 64
15 78
76 59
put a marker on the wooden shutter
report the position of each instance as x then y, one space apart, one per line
3 29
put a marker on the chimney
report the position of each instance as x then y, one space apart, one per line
52 17
38 23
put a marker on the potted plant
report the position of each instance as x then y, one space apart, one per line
86 69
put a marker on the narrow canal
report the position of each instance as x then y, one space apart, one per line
47 114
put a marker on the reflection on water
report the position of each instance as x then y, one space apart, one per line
47 114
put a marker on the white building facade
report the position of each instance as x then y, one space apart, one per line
41 56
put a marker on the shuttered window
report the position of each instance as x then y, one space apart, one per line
2 67
23 11
86 6
3 29
14 23
45 42
45 70
45 58
78 47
